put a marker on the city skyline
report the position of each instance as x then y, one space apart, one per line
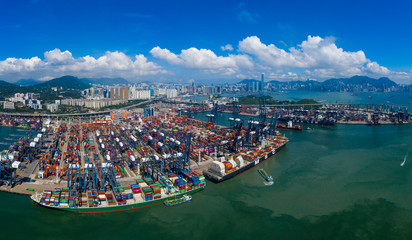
227 41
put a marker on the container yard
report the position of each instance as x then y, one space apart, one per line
100 166
128 163
140 160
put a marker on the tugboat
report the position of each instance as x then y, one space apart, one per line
177 201
266 176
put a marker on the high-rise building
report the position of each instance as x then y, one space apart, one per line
262 82
119 93
138 93
209 90
171 93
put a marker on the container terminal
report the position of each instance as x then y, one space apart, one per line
137 161
132 160
324 114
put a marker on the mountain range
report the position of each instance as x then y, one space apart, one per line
106 81
355 83
245 81
63 82
27 82
352 84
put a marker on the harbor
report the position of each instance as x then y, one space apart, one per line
86 156
164 134
132 161
295 195
312 114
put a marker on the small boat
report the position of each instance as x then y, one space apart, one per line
177 201
266 176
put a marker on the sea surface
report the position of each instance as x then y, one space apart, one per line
341 183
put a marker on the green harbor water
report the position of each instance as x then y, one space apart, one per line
340 183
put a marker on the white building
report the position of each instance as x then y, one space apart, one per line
34 103
92 103
171 93
53 107
160 92
18 97
138 93
8 105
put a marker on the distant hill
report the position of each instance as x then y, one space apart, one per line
355 83
27 82
359 80
106 81
244 81
8 89
66 82
44 88
6 84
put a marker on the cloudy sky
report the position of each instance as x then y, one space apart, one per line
206 40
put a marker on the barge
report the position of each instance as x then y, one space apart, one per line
266 176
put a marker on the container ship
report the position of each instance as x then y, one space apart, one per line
314 121
144 193
220 171
290 126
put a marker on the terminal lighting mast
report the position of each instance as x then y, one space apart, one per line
235 107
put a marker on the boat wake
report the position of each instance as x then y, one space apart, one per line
268 183
404 159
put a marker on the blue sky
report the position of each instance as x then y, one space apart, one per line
183 40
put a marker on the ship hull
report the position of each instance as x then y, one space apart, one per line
289 128
217 179
305 121
117 208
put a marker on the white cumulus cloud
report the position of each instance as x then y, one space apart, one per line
315 52
20 65
374 67
314 58
56 56
205 60
227 47
58 63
